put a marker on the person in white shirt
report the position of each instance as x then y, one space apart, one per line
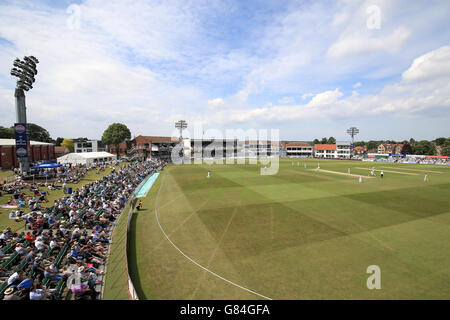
53 244
40 245
13 278
37 294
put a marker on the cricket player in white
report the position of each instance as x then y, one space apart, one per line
425 178
208 175
318 165
360 179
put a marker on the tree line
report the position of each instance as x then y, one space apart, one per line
411 146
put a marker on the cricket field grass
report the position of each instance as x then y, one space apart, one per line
299 234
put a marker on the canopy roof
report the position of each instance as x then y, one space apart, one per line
86 155
46 166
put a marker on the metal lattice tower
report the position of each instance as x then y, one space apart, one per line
353 131
181 125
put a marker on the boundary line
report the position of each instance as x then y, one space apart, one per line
193 261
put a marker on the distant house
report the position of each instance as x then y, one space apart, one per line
393 148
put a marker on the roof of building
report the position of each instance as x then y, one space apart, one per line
86 155
153 139
324 147
298 144
12 142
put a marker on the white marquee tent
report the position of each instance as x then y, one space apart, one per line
86 158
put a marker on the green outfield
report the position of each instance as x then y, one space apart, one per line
299 234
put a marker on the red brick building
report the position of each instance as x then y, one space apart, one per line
40 151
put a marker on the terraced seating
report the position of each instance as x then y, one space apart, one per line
14 257
61 254
10 246
59 288
97 215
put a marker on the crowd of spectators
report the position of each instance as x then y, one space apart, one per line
415 160
68 242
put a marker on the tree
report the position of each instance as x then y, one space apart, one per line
424 147
316 141
331 140
412 142
324 140
58 141
407 149
6 133
372 145
68 143
115 134
440 141
446 148
37 133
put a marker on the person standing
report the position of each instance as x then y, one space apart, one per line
208 174
139 206
425 178
360 179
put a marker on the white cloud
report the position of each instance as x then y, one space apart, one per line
360 44
432 65
307 95
404 99
357 85
325 98
216 103
286 100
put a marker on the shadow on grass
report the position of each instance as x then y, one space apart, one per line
133 269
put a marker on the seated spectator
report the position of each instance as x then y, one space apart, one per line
25 284
9 294
37 293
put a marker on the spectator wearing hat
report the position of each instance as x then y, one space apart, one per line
9 295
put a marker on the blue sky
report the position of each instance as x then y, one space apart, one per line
310 69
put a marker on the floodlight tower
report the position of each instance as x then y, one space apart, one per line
181 125
353 131
25 70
